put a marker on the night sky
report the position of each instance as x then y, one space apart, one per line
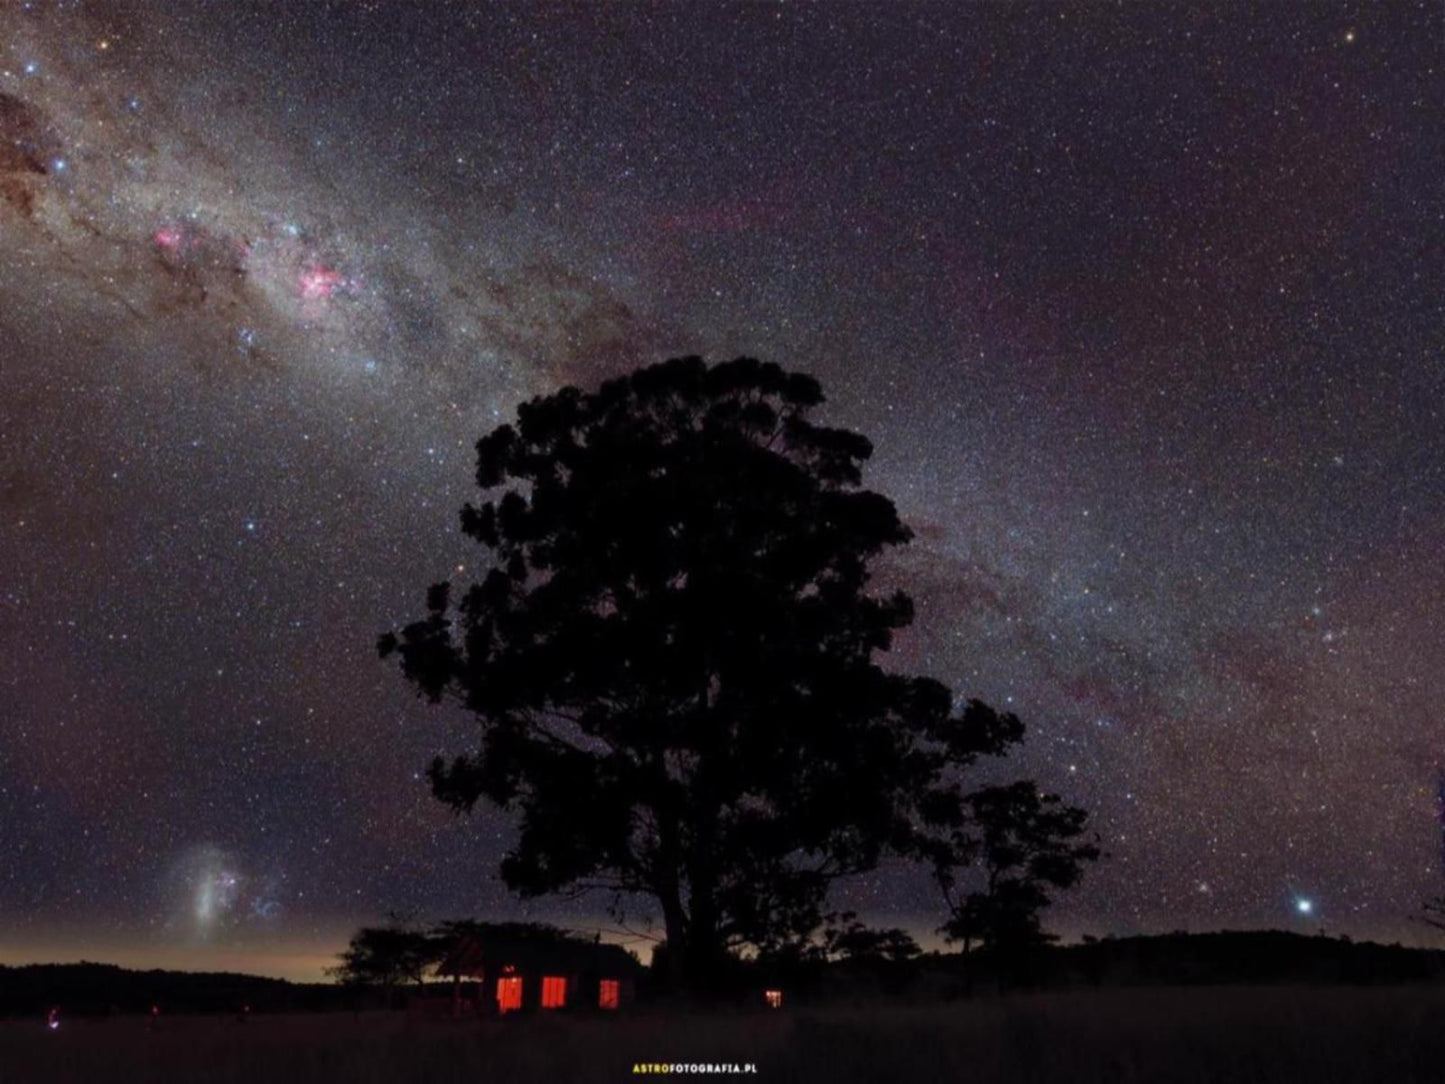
1141 306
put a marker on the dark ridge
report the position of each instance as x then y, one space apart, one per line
92 989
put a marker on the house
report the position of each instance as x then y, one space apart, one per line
511 967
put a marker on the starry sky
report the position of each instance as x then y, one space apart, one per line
1140 304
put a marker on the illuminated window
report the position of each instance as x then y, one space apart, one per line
554 992
609 993
774 998
509 994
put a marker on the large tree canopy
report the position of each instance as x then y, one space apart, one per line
673 658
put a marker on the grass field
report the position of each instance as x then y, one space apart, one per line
1275 1035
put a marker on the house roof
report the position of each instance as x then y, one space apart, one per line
477 953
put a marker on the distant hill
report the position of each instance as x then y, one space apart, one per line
1243 958
1251 957
91 989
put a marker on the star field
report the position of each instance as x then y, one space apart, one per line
1141 307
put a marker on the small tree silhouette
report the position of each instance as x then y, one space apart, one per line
389 956
1027 844
846 938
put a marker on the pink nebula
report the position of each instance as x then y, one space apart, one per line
318 282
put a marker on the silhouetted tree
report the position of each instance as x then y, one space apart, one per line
848 939
672 659
1026 844
387 956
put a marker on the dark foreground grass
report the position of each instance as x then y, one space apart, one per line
1275 1035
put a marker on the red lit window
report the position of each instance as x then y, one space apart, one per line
774 998
554 992
509 994
609 993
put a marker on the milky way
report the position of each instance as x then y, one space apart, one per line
1141 308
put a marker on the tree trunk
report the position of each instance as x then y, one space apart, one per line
675 921
669 894
704 947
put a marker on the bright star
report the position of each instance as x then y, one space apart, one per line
1304 907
